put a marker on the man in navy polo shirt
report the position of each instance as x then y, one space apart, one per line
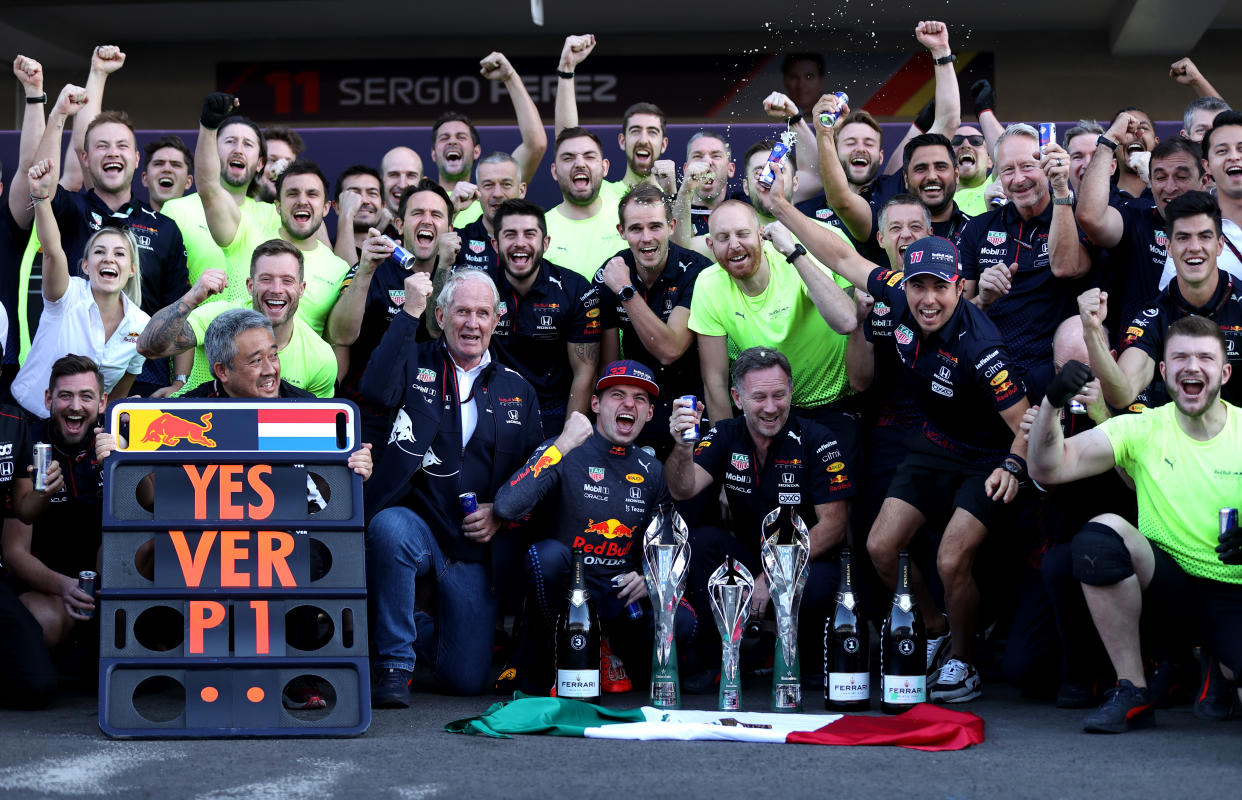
1021 262
544 330
644 303
1201 288
498 180
971 457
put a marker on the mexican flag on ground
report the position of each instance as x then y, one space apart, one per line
923 727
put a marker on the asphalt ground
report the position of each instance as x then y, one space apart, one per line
1032 750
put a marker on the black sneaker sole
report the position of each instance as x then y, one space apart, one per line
389 702
1147 719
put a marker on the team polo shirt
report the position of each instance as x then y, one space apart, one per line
1132 268
202 252
673 288
533 331
970 200
805 467
950 229
67 535
15 443
1181 483
782 317
895 404
1028 316
323 273
476 248
961 375
699 218
307 361
581 245
73 324
1230 258
1148 330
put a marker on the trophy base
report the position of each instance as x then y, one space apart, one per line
787 697
664 693
730 699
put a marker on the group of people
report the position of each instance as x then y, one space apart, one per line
912 348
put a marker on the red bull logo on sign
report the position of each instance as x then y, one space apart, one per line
167 429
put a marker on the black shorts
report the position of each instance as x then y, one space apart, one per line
936 482
1212 608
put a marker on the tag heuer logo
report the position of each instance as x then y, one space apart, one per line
396 296
596 473
1162 239
427 375
881 309
903 335
503 309
997 238
477 246
740 461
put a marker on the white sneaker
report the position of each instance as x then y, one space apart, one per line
938 649
956 682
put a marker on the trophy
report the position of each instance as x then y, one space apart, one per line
666 563
730 588
786 561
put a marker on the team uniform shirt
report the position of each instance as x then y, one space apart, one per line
971 200
12 242
73 324
581 245
951 228
781 317
961 375
323 273
214 389
67 535
1148 331
1120 197
877 193
895 405
1133 268
1230 258
202 252
673 288
603 496
533 330
805 467
699 217
14 442
307 361
1181 484
1028 315
476 248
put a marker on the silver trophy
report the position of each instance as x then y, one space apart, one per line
666 563
786 561
730 588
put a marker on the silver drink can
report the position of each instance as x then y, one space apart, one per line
399 254
690 435
87 579
42 460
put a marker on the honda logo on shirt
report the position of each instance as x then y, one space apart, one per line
636 493
787 477
545 320
943 374
513 414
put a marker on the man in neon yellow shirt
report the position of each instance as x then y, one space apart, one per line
276 284
1183 459
302 198
583 228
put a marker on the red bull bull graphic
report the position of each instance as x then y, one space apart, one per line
168 429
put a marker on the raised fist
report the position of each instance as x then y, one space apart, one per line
72 100
217 106
30 73
417 290
495 67
107 59
575 51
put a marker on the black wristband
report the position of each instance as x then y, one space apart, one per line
949 59
798 250
795 119
569 76
1107 142
32 101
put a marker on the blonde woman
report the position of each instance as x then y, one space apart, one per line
96 315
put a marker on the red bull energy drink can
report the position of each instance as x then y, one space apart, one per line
469 503
399 254
827 119
42 460
633 609
779 151
690 435
1047 134
1228 518
1076 407
86 582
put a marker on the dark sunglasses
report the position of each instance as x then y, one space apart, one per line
975 141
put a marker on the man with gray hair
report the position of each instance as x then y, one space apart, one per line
498 179
1199 115
241 348
708 168
463 424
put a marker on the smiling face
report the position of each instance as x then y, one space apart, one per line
734 240
973 161
368 190
401 167
643 141
932 300
1194 369
620 412
713 151
1026 186
1172 176
1194 245
932 177
1143 143
468 322
167 175
646 228
426 217
903 225
240 158
303 200
760 196
108 262
1081 150
454 150
498 182
1224 160
255 371
520 244
111 156
765 396
74 405
858 148
579 169
276 287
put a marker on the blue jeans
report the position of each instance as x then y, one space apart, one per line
401 550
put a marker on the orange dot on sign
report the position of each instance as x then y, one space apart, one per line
210 694
254 694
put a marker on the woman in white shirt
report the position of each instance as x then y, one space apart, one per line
97 316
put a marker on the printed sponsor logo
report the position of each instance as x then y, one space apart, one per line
789 498
903 335
593 313
997 238
1000 377
609 529
397 296
634 477
167 429
894 279
880 309
1134 332
595 473
836 466
740 461
1162 239
944 375
941 390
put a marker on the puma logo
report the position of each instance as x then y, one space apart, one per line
1170 463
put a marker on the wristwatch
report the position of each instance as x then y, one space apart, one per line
798 250
627 293
949 59
182 377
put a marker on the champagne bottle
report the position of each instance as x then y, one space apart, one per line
847 656
903 648
578 641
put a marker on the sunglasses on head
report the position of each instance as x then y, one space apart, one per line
975 141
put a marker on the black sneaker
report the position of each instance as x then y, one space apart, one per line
1217 696
1126 708
392 689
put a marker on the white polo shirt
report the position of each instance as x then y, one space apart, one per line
72 324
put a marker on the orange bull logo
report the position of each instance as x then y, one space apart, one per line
610 529
546 460
167 429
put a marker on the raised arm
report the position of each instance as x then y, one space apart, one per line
1068 257
984 98
935 37
780 106
71 101
105 60
223 215
1052 458
30 73
685 478
42 178
1121 379
833 304
1186 73
827 247
169 332
1099 220
860 353
534 138
697 173
575 49
853 210
584 363
384 379
345 321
